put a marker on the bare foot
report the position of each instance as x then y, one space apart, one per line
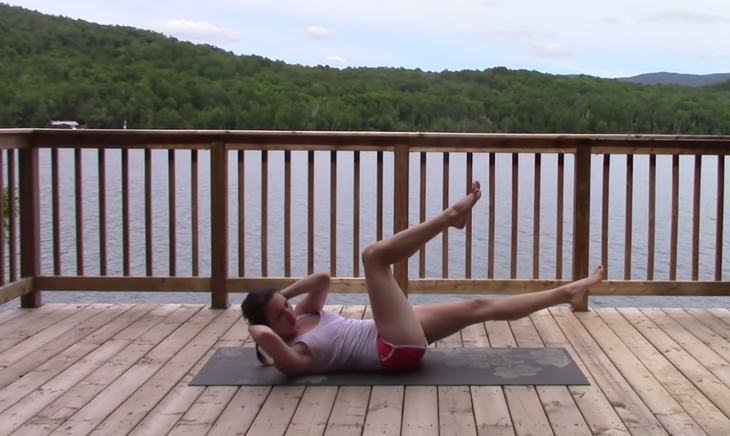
578 289
462 208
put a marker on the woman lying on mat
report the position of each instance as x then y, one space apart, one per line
310 340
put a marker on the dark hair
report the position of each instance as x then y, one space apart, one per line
253 309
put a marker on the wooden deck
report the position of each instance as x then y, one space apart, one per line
123 370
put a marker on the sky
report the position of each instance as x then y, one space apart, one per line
605 38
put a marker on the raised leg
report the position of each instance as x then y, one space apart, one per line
393 314
441 320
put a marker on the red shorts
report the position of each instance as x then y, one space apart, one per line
395 358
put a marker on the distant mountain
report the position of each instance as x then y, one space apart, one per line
664 78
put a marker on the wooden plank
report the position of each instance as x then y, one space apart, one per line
417 141
50 368
705 369
124 404
491 413
85 387
10 140
715 323
199 409
86 378
420 409
62 336
277 412
655 396
31 321
385 408
636 416
456 412
123 284
702 409
233 414
595 407
90 407
349 410
562 413
8 315
528 416
314 407
28 325
241 411
713 340
193 410
723 314
17 289
706 353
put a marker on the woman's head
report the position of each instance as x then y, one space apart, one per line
270 308
254 305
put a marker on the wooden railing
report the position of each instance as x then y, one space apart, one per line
77 184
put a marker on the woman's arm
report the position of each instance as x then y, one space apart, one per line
316 287
285 358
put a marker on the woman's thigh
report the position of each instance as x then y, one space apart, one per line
392 312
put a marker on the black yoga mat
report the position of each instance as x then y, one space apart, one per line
440 367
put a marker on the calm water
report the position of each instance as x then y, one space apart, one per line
457 188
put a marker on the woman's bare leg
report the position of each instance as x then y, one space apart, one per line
441 320
393 314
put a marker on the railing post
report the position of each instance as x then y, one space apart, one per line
30 240
400 207
581 214
219 225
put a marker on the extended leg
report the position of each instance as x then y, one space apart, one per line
444 319
392 312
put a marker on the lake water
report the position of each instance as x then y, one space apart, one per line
457 188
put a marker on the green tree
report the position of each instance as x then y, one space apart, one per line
60 68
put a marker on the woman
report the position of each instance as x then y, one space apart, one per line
309 340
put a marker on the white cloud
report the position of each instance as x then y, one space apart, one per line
336 60
684 17
714 55
319 32
550 50
507 34
200 31
435 35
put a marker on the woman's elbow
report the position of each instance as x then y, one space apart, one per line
288 367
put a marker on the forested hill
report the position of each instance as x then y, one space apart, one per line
58 68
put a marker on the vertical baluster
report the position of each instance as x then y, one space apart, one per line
719 216
652 218
172 206
356 216
536 219
102 212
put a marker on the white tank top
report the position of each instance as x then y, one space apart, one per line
339 343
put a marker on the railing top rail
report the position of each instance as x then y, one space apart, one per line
417 141
13 139
16 131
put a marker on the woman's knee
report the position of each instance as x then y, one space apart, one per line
370 255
